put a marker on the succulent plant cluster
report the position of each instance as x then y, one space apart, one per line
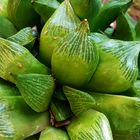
66 73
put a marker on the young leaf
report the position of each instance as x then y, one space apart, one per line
60 110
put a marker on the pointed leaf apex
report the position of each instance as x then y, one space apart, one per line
84 26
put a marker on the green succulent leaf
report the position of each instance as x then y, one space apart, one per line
25 37
18 120
90 125
79 101
36 89
60 110
118 109
15 59
56 28
118 66
75 58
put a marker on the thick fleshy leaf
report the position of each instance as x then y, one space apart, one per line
15 59
118 66
76 58
90 125
115 107
18 120
79 102
56 28
36 89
